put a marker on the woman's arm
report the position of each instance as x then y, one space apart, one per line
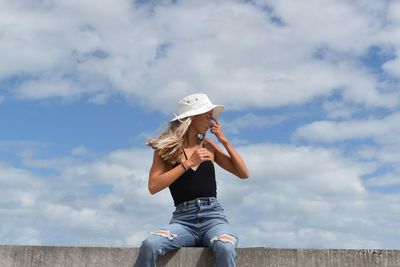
232 162
162 175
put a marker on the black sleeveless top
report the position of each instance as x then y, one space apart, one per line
193 184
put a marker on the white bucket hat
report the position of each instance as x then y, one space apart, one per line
196 104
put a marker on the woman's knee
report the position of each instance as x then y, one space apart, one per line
224 244
224 247
150 245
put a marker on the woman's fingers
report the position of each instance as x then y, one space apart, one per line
202 153
216 121
216 130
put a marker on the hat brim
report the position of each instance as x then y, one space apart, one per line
217 110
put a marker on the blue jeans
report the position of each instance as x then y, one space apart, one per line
196 223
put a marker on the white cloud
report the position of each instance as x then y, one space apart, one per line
295 197
333 22
47 88
296 169
20 196
339 110
392 36
304 197
383 154
12 176
251 120
259 54
234 51
73 208
392 178
383 131
378 138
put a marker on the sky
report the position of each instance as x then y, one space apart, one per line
312 104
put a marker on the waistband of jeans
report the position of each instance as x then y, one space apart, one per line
198 201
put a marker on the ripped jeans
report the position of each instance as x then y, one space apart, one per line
196 223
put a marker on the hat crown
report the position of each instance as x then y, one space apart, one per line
192 102
196 104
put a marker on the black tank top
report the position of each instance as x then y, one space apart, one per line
193 184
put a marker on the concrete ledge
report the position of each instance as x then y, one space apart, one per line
52 256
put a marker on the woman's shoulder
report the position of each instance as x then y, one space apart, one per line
160 162
210 144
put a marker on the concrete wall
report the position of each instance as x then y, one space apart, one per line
47 256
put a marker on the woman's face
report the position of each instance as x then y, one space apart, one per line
202 122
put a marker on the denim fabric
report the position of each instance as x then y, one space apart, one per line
194 223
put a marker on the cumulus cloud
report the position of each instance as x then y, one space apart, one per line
244 54
101 202
379 139
20 193
304 197
382 131
295 197
278 52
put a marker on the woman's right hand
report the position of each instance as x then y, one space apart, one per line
198 156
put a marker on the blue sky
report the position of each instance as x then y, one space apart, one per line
311 95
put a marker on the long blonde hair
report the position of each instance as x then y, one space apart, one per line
170 142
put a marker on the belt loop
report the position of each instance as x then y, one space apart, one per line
185 204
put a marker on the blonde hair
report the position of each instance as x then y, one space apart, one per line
170 142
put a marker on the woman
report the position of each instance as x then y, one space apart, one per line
184 161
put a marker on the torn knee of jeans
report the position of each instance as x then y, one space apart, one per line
164 233
224 238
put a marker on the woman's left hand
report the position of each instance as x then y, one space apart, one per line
217 130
